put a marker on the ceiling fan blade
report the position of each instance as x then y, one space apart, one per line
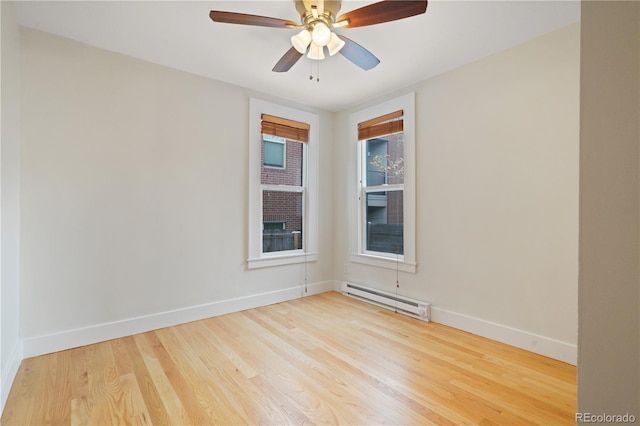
358 54
244 19
384 11
287 61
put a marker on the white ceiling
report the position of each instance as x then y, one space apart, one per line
179 34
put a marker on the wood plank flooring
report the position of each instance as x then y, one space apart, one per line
324 359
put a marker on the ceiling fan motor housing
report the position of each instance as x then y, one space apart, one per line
332 6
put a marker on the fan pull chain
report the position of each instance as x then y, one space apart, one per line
317 70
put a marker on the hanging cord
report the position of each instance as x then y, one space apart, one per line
305 271
397 280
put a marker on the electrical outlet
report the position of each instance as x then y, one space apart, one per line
346 268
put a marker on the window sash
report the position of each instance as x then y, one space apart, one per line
384 238
282 188
285 242
385 188
375 190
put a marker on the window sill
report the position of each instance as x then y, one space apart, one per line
283 259
384 262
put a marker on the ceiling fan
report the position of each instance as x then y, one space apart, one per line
318 18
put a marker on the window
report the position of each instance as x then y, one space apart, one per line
283 192
282 175
271 226
382 188
273 152
384 195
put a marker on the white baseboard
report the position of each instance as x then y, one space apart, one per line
9 374
49 343
542 345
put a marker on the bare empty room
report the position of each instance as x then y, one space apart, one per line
242 212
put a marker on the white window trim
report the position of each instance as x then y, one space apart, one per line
257 259
406 262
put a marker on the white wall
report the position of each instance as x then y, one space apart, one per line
497 197
10 344
609 344
134 197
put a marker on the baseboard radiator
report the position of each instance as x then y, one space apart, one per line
400 304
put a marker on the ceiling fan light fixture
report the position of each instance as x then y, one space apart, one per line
301 41
318 18
321 34
335 44
316 52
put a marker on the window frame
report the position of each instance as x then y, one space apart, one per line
309 253
359 253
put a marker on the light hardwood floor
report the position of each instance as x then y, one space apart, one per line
324 359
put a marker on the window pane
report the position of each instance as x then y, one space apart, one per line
273 154
281 221
385 222
290 160
385 160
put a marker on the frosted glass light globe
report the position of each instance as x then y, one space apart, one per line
321 34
